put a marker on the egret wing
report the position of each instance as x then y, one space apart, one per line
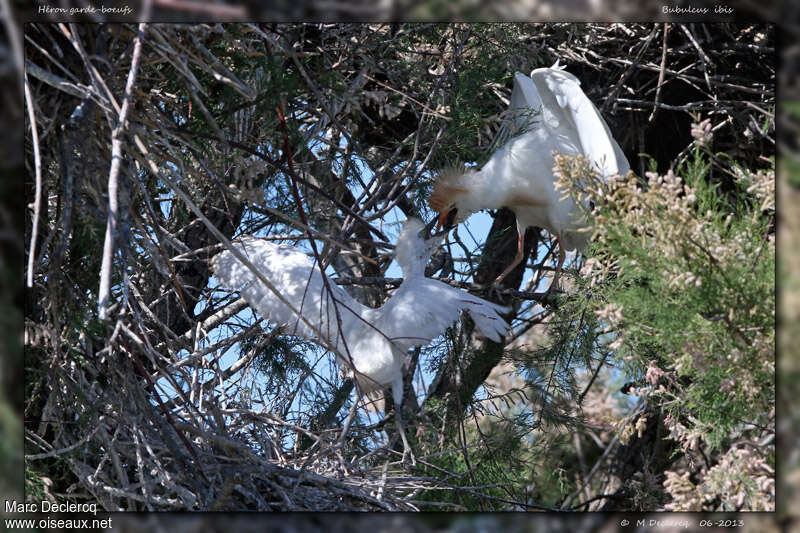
299 282
578 112
623 166
523 112
525 104
485 314
422 309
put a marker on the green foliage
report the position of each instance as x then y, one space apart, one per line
706 300
485 474
683 279
282 359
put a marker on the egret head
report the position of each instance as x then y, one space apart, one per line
449 196
414 248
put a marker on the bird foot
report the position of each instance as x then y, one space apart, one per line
408 454
494 293
500 278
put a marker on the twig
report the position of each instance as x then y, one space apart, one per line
657 99
590 500
157 396
594 376
705 61
37 162
602 458
688 77
103 296
702 104
56 82
432 112
628 71
472 287
61 451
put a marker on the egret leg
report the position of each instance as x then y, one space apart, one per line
517 258
397 396
408 454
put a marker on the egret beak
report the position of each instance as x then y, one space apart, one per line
440 221
447 219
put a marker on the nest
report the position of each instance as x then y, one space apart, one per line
129 456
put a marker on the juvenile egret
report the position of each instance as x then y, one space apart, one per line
370 343
554 116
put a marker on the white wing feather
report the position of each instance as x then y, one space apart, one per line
574 110
422 308
298 280
524 110
428 307
525 103
418 311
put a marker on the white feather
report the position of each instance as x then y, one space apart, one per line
548 114
372 341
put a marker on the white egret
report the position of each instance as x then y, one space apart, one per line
370 343
554 116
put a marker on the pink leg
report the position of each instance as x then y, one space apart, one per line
517 258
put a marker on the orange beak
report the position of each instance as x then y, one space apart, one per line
442 219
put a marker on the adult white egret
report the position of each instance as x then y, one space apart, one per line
371 343
554 116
